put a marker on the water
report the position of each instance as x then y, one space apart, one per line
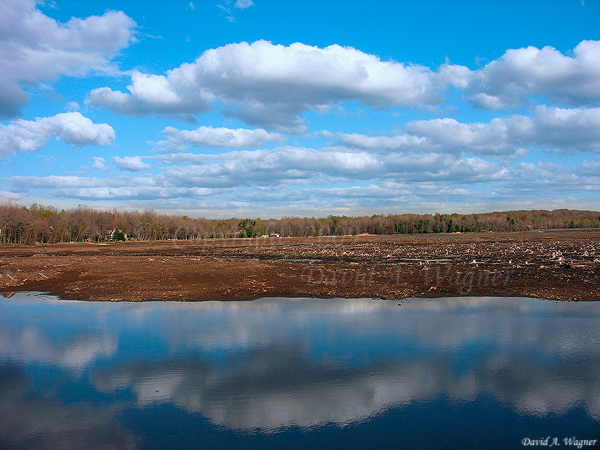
298 373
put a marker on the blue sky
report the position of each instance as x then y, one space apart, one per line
270 108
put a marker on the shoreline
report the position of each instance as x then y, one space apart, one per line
546 265
400 301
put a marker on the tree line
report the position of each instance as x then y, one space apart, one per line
46 224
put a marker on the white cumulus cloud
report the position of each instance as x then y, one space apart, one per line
550 127
305 166
560 129
271 85
572 80
99 163
131 163
71 127
35 48
310 181
153 94
214 137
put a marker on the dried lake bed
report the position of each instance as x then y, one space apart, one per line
553 265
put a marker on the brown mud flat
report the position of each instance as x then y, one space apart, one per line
550 265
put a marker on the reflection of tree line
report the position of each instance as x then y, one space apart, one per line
37 223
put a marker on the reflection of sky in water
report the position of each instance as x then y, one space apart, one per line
277 363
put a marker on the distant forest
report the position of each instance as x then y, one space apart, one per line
46 224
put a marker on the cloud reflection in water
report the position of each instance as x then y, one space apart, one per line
276 363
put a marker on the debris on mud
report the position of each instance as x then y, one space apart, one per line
551 265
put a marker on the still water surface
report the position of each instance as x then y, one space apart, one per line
297 373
